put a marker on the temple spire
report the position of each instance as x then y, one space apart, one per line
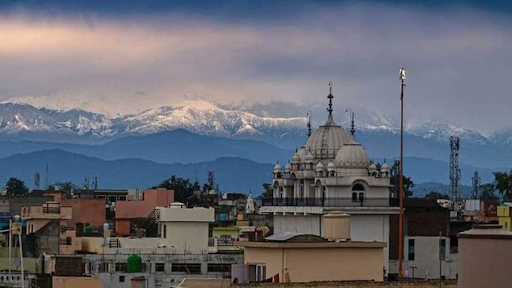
309 123
330 98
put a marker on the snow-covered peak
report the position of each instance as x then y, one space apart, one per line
443 131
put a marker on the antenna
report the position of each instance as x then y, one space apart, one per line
37 181
309 123
455 172
330 98
352 123
476 183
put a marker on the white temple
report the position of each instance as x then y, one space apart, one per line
332 173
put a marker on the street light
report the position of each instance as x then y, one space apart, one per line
402 76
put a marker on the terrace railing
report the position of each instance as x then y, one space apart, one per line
331 202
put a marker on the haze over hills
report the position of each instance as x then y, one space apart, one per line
232 173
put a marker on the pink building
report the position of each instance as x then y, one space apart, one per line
86 211
127 211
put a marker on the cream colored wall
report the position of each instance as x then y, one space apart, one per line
189 237
76 282
320 264
186 214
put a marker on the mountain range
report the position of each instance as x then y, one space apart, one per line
234 174
201 132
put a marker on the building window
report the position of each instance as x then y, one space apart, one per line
112 199
219 268
121 278
160 267
165 231
122 198
68 240
121 267
358 193
186 268
411 250
442 249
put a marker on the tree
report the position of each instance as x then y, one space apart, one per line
64 186
434 195
408 185
268 191
183 188
16 187
504 184
487 192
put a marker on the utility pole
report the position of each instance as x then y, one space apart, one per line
402 75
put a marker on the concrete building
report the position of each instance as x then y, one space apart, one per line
505 216
38 216
485 258
293 257
332 172
427 242
85 212
185 229
140 207
76 282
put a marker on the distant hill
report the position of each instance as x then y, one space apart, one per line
232 174
177 146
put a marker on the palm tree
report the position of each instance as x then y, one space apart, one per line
504 184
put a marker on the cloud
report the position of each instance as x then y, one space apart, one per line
458 59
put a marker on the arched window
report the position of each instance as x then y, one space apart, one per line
358 193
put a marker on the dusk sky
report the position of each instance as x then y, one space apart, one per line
127 56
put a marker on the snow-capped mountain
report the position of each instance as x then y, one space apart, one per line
442 132
16 119
205 118
23 121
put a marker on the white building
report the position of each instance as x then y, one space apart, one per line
332 173
185 229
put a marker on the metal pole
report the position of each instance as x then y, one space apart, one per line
21 260
10 245
440 259
401 219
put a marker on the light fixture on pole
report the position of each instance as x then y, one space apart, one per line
402 75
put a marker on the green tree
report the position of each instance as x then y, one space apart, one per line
64 186
504 184
487 192
16 187
434 195
408 185
183 188
267 193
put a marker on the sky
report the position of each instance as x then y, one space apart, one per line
119 57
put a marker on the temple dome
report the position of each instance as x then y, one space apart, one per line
353 155
325 142
277 168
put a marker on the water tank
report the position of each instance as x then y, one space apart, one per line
134 264
337 226
176 205
88 230
223 217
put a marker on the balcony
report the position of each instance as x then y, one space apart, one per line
330 202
